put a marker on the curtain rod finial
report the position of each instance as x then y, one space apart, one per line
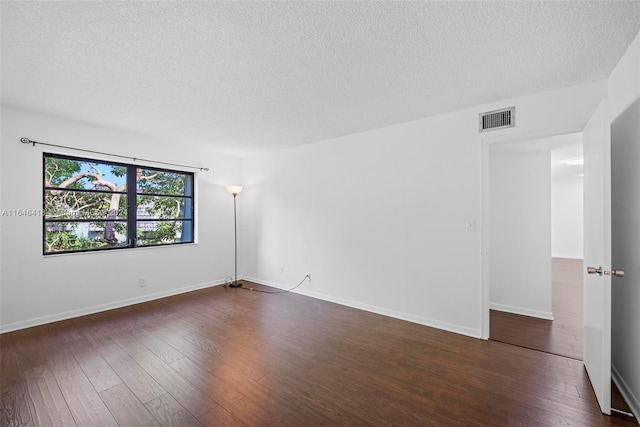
26 140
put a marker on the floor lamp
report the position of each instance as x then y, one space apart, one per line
235 190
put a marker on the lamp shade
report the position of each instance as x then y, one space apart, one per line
234 189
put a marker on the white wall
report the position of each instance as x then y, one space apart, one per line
380 218
38 289
520 233
372 218
1 220
567 218
624 97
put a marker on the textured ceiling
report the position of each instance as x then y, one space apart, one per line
246 77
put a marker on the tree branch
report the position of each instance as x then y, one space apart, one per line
147 178
67 182
103 183
93 167
52 244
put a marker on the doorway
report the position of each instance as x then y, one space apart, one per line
562 333
542 311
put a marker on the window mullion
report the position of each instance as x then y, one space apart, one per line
132 204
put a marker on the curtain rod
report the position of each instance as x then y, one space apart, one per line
25 140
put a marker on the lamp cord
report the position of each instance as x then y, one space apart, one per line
276 292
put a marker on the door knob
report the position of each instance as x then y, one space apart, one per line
600 271
593 270
617 273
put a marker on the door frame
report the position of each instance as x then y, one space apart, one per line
485 142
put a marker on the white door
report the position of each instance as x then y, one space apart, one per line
597 254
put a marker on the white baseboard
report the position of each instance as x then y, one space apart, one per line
547 315
103 307
631 399
576 257
474 333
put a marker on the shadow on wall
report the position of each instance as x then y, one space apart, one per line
625 213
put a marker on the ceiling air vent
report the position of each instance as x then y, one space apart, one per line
498 119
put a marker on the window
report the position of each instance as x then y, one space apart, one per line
95 205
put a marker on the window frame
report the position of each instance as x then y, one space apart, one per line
131 193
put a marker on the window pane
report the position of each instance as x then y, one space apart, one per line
63 204
80 236
163 232
163 207
162 182
85 174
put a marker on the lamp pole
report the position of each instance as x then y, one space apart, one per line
234 190
235 283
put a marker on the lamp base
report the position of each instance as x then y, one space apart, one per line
235 285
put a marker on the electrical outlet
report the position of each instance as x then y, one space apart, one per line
309 276
142 282
281 269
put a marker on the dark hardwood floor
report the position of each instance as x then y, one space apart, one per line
223 356
563 335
